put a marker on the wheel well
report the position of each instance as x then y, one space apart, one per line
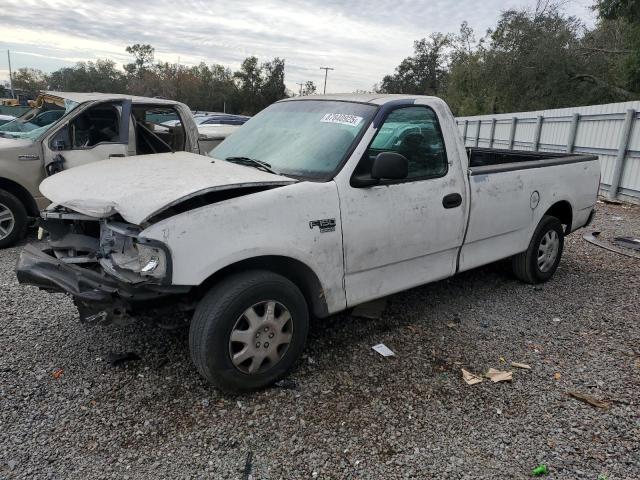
21 193
294 270
563 212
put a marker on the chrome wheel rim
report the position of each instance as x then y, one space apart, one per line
260 337
548 250
7 221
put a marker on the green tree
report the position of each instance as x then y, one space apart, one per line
29 79
309 88
423 73
99 76
143 54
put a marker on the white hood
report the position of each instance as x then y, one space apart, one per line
139 187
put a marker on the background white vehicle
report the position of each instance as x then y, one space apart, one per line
316 205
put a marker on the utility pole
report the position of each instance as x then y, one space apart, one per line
301 84
326 71
10 74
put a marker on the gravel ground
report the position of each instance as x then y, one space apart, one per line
354 414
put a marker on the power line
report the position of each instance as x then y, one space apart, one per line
326 71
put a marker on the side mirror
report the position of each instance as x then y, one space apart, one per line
61 140
386 166
390 166
59 145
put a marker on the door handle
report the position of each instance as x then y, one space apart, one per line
452 200
28 157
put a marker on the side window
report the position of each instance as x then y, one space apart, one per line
415 133
158 130
96 125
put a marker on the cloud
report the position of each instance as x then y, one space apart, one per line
362 39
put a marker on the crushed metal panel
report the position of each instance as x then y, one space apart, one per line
141 186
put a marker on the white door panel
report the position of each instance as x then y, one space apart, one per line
75 158
400 235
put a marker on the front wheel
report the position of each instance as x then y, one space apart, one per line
248 331
13 219
540 261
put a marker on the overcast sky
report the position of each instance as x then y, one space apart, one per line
362 39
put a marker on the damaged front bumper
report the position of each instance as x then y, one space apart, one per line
100 298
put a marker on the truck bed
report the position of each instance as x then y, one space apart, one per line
490 160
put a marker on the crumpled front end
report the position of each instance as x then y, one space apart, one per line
105 265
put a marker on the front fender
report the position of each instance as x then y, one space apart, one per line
284 221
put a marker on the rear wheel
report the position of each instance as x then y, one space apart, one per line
13 219
248 331
540 261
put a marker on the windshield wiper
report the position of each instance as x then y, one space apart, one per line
252 162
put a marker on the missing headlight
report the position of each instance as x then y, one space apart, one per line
128 257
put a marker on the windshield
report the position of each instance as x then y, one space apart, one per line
38 120
307 138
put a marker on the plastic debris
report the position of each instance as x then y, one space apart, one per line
499 376
471 378
593 239
627 242
583 397
520 365
286 384
372 310
116 359
540 470
383 350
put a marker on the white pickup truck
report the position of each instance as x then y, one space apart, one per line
315 205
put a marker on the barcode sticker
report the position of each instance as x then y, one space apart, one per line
342 118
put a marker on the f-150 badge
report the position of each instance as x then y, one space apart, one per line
325 225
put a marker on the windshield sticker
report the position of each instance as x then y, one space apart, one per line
342 118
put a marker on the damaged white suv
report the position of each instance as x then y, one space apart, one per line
315 205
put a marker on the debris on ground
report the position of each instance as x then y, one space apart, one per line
499 376
521 365
471 378
116 359
593 239
540 470
557 375
286 384
57 373
371 310
627 242
583 397
383 350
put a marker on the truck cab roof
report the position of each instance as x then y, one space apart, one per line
82 97
371 98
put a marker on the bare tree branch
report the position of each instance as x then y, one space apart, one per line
606 50
583 77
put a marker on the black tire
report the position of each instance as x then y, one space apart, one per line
217 314
12 231
526 266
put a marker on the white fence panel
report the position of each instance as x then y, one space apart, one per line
609 131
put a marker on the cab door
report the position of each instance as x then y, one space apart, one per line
98 132
403 233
